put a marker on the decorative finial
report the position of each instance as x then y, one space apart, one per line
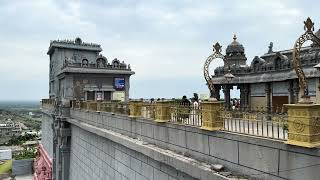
308 25
234 37
270 47
217 48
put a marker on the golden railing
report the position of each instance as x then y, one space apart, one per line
273 123
103 106
48 103
148 110
259 122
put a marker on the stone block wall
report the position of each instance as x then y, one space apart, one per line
253 156
258 102
96 157
47 133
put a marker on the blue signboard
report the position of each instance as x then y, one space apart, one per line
119 83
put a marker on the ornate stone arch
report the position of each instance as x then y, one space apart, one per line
101 61
257 63
85 63
278 60
296 61
216 55
116 63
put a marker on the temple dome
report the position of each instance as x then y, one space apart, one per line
235 47
235 54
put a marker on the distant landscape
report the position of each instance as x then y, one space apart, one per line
24 115
20 130
19 104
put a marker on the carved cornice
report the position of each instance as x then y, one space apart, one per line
73 44
265 77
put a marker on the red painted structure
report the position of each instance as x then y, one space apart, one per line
42 165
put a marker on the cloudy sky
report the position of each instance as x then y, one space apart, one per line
166 42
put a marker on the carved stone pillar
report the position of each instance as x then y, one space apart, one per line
291 92
226 91
217 92
61 142
244 96
241 87
296 91
268 91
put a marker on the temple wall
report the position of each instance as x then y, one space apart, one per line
312 86
257 89
258 157
280 88
47 133
95 157
258 102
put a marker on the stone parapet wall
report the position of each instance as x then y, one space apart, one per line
97 157
256 157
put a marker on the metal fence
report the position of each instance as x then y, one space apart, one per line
187 115
269 125
272 124
255 122
191 115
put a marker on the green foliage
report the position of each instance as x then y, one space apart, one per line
32 124
27 153
6 167
19 140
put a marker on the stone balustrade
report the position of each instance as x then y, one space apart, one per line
212 116
48 103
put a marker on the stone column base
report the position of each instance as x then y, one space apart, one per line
163 112
135 109
304 125
303 144
211 116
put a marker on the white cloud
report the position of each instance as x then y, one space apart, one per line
162 40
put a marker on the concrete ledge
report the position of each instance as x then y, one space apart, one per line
184 164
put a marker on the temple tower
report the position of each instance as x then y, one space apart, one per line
235 54
79 72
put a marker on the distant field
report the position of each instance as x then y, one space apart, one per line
18 111
19 104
